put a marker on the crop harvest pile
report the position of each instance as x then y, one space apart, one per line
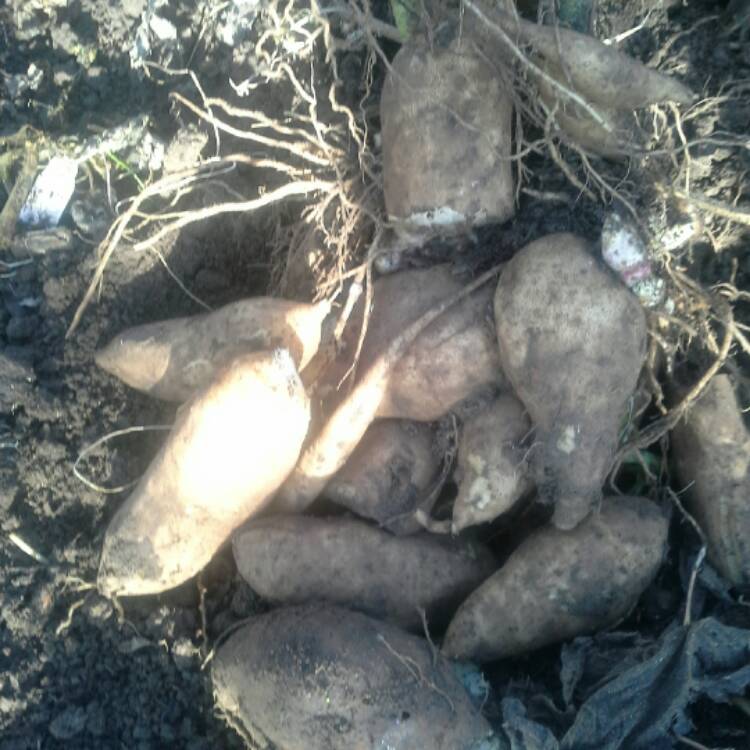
434 443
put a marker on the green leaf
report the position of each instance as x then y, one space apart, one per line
405 15
126 168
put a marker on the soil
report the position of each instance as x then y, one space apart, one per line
74 670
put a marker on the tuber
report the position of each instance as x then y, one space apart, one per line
572 341
301 559
446 127
450 360
711 450
390 475
340 435
560 584
324 678
230 449
172 359
492 470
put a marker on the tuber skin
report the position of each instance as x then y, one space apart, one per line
446 126
572 342
173 359
561 584
230 449
323 678
432 376
390 475
338 438
711 454
301 559
492 470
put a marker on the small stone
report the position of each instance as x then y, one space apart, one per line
41 242
160 623
8 488
91 217
64 76
133 645
97 609
68 724
184 654
43 600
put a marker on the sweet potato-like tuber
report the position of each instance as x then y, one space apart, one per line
389 475
173 359
711 449
340 435
602 74
450 360
446 126
572 341
324 678
230 449
492 467
300 559
561 584
620 136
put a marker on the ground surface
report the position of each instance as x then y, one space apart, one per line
74 672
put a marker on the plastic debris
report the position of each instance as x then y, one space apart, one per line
50 194
626 254
642 704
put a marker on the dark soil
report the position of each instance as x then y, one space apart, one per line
74 672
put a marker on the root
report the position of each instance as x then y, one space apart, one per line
416 672
28 549
100 441
700 557
660 427
68 621
324 159
715 207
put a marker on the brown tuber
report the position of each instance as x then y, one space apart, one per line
614 135
572 342
172 359
446 126
560 584
390 475
711 450
602 74
452 359
323 678
300 559
331 448
230 449
492 470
